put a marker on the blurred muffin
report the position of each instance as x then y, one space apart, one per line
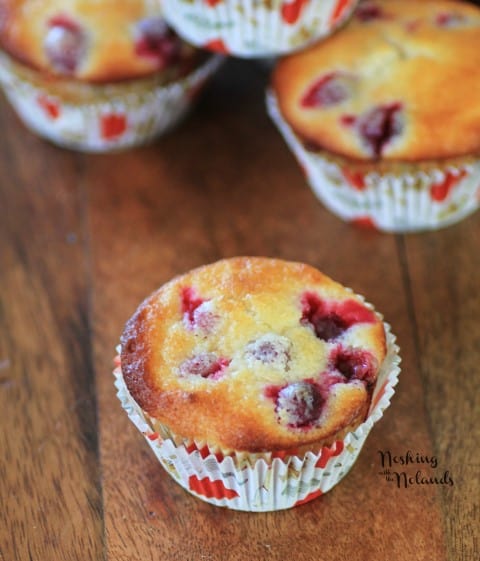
97 75
249 28
383 116
258 370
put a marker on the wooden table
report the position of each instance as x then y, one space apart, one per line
83 238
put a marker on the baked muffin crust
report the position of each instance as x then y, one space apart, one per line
399 82
91 40
253 354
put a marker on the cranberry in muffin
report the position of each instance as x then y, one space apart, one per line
289 361
373 114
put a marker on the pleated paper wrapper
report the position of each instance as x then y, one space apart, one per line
101 118
260 482
255 28
392 202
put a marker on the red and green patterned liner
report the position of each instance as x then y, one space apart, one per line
260 482
101 118
255 28
391 202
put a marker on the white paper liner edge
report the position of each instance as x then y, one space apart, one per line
392 203
266 485
134 119
248 28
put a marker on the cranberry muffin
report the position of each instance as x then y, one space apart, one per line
383 115
253 359
96 75
249 28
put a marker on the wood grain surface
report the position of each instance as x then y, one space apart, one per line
83 238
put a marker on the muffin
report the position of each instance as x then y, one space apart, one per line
97 76
249 28
255 380
384 115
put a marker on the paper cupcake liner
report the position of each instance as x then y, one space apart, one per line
253 28
94 118
392 202
261 482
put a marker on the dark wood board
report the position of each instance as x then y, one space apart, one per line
83 238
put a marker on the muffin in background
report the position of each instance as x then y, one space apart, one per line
249 28
384 116
256 381
97 75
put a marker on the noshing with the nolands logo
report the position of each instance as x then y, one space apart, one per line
393 469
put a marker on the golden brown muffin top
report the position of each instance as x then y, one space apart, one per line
253 354
400 81
90 40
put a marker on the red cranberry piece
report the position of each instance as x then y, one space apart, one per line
197 312
368 12
328 90
270 349
299 404
355 364
314 309
329 326
205 365
380 125
190 302
64 44
355 312
449 19
329 379
331 319
157 41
